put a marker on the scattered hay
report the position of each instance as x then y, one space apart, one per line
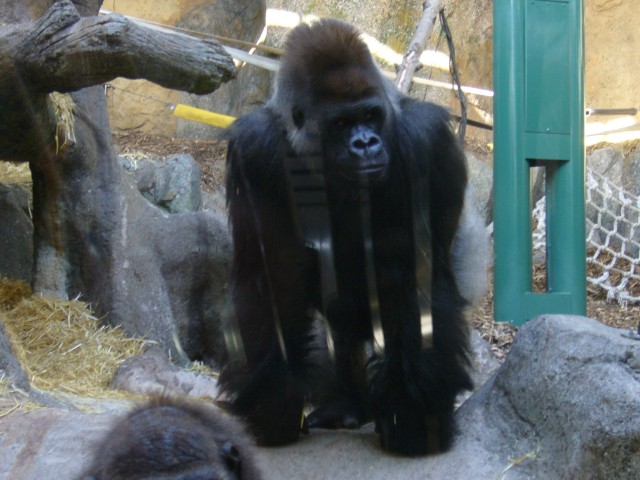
12 292
61 345
200 367
64 110
12 399
500 335
135 157
15 173
532 455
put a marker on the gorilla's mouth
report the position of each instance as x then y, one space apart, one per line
368 173
374 169
358 169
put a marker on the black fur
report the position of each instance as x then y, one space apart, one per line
175 439
419 194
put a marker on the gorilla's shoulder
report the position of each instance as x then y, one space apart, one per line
257 141
423 113
424 123
257 127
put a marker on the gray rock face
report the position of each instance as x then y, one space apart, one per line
608 161
570 390
159 275
631 172
9 366
618 164
173 184
16 230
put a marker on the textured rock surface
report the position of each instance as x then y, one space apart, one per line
564 405
16 230
9 367
570 389
171 183
159 275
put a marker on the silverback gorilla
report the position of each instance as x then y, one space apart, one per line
344 199
175 439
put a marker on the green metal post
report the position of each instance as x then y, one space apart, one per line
511 185
539 121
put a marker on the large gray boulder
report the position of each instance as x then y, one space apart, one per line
568 398
158 275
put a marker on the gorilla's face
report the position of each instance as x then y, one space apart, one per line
351 137
353 140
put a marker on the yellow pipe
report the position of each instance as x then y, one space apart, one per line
203 116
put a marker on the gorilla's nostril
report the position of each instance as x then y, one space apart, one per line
365 144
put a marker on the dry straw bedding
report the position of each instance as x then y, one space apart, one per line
61 344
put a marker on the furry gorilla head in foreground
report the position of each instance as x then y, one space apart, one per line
175 439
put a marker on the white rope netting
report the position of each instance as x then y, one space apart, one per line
613 238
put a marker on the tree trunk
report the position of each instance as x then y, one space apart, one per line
158 275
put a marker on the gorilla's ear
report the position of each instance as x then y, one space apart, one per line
298 116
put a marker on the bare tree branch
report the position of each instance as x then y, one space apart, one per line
411 59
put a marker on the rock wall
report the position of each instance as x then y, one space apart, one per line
393 23
611 44
610 31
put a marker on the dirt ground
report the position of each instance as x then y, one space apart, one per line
210 155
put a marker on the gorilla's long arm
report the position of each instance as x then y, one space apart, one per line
269 281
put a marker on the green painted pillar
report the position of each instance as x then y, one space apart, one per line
538 62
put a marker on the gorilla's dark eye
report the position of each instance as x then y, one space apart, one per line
373 115
298 116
